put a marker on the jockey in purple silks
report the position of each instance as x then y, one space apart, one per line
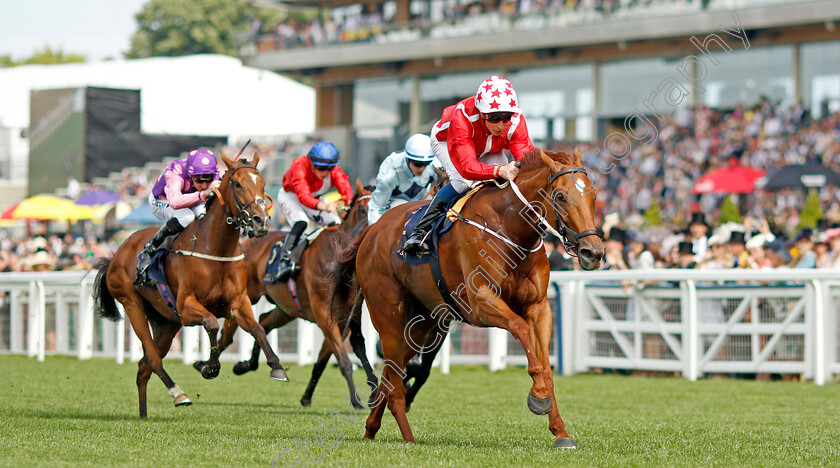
178 198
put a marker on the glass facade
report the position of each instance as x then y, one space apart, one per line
624 85
742 76
819 65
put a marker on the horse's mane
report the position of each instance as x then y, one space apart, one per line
210 202
368 188
533 160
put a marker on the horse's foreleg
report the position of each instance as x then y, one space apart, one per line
357 340
245 319
317 370
275 318
541 320
194 313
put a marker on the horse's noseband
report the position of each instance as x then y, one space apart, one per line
569 237
244 218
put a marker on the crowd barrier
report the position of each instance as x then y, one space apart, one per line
689 322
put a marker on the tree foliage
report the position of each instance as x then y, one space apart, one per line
46 56
810 212
186 27
729 211
653 217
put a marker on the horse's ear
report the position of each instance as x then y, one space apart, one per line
440 172
578 157
256 160
360 187
548 161
228 162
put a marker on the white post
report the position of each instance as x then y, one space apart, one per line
204 346
42 319
120 340
445 355
370 334
822 354
17 324
692 336
84 335
33 321
109 338
814 322
246 344
135 347
189 344
568 317
306 343
582 309
497 348
62 325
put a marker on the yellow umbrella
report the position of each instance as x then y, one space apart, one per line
50 207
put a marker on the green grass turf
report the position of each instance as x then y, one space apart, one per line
66 412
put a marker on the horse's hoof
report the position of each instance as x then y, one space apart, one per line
182 400
539 406
565 443
306 403
358 405
407 407
209 372
279 374
200 365
242 367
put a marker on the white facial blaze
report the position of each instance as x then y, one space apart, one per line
580 185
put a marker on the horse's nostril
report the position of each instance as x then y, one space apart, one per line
257 220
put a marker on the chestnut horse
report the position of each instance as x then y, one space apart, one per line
312 297
206 274
493 261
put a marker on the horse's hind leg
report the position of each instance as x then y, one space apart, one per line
317 370
153 351
427 358
228 330
333 338
270 320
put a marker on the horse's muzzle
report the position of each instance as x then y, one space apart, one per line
590 253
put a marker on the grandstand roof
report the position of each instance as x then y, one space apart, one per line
193 95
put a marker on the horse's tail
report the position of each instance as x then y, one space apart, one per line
105 303
341 274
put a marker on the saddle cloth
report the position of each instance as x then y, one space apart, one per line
272 266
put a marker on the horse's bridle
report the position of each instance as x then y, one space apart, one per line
244 218
568 236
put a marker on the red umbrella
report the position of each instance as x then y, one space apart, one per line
7 213
733 179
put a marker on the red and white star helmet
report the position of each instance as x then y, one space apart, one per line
496 95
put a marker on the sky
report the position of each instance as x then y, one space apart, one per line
98 29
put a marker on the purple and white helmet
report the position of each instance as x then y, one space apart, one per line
201 161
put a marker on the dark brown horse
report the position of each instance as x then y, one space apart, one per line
493 262
312 297
207 278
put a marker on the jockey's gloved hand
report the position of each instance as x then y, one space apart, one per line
211 190
323 206
509 171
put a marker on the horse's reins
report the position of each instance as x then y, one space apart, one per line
563 232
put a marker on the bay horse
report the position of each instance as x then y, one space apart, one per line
205 272
494 255
311 296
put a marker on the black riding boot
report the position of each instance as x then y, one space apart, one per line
171 228
417 243
288 266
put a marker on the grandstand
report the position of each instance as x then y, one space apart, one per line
384 69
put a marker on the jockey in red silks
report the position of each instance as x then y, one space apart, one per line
469 139
178 198
307 179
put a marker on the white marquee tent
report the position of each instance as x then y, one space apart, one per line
194 95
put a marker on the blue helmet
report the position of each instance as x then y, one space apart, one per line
323 154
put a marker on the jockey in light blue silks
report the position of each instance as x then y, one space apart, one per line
404 176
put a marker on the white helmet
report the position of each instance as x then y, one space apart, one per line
418 148
496 95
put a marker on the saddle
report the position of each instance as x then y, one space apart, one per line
156 277
440 226
272 266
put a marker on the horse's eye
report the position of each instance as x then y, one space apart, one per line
560 197
236 184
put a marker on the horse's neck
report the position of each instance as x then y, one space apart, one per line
214 235
520 224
